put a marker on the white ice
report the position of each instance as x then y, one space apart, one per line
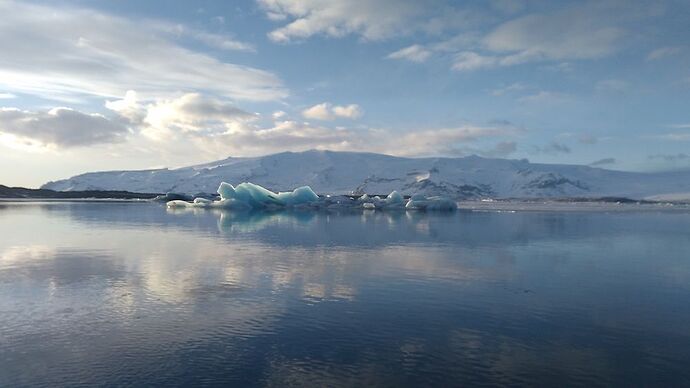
252 196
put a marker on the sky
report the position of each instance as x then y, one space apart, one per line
113 85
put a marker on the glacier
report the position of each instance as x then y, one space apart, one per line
248 196
354 173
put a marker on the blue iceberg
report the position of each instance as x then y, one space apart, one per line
246 196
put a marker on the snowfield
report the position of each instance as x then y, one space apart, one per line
338 173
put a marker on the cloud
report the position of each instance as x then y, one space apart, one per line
543 96
279 114
221 42
253 137
414 53
61 127
581 31
371 20
670 157
468 60
515 87
327 111
675 136
69 53
663 52
193 124
7 96
352 111
603 162
575 33
442 141
553 148
191 112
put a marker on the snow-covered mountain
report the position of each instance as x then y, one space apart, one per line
330 172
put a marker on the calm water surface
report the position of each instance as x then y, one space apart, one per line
133 294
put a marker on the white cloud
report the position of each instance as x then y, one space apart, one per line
59 127
543 96
680 126
71 53
663 52
414 53
299 136
467 60
218 41
319 112
326 111
222 42
196 125
279 114
582 31
372 20
191 112
7 96
569 34
514 87
193 128
675 136
352 111
442 141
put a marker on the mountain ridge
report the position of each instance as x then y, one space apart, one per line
335 172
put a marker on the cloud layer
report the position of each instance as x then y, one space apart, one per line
371 20
61 127
68 53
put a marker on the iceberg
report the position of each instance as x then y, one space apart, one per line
420 202
246 196
251 196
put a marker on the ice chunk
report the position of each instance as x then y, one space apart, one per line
172 197
178 203
259 197
418 202
368 205
299 196
394 199
226 190
417 197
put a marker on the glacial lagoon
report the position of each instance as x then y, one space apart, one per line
122 293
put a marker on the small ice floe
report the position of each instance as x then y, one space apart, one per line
394 200
420 202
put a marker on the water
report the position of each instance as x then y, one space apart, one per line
133 294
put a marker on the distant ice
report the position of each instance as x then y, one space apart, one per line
252 196
419 202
